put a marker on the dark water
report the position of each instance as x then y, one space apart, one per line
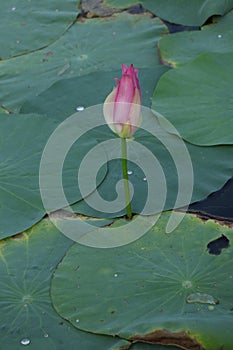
218 204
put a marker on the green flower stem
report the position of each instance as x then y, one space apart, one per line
125 177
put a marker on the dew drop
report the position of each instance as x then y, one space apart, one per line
129 172
80 108
144 179
13 9
25 341
46 335
77 321
219 36
115 275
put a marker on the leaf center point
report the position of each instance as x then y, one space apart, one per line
187 284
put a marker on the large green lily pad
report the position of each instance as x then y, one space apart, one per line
196 98
31 25
65 96
192 13
162 288
22 141
89 46
27 317
180 48
23 138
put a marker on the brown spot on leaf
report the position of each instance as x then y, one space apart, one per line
62 214
96 8
49 53
207 216
165 337
18 236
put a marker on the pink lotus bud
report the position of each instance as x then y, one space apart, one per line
122 107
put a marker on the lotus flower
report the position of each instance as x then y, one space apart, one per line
122 107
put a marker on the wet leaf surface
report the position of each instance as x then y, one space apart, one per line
194 12
27 317
139 291
27 26
114 40
22 141
84 92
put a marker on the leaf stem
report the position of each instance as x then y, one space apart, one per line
125 177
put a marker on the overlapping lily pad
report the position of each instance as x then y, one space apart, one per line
205 182
27 316
23 138
196 98
192 13
178 160
30 25
222 23
66 96
168 289
97 44
180 48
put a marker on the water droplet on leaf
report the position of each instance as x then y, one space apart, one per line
129 172
80 108
25 341
77 321
115 275
144 179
